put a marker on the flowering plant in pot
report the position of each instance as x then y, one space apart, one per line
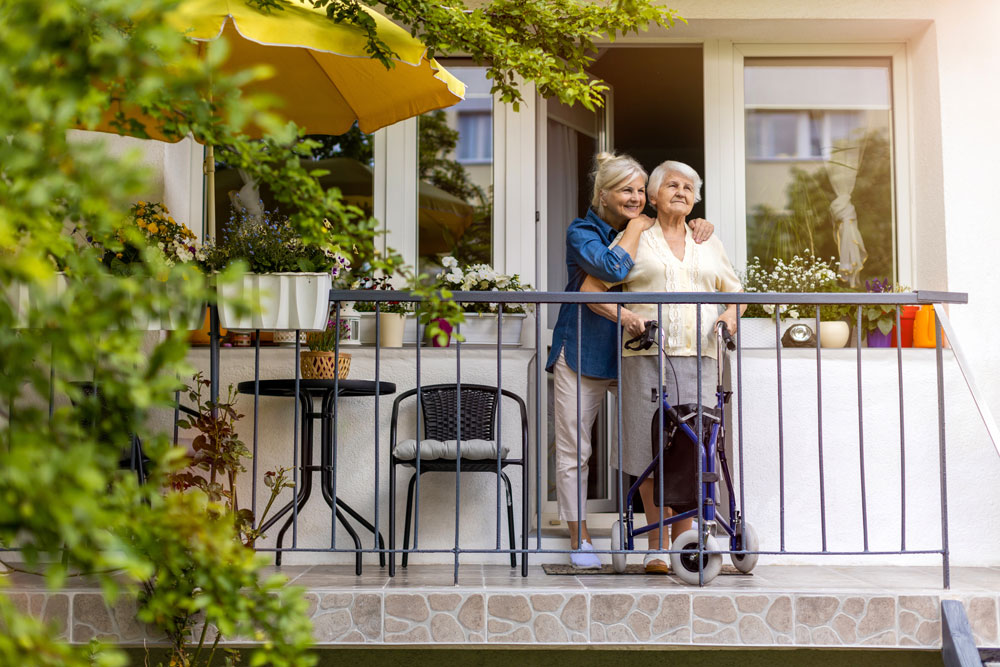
878 321
391 314
805 273
479 319
156 249
287 282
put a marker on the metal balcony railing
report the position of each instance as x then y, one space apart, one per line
699 554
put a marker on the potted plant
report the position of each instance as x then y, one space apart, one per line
152 237
393 324
878 321
805 273
479 325
287 283
323 360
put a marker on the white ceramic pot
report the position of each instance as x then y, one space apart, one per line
287 301
391 327
366 329
834 334
481 329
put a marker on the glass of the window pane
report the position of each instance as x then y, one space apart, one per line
455 205
819 163
348 158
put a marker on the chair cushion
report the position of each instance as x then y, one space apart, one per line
431 450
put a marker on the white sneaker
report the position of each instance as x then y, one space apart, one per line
584 558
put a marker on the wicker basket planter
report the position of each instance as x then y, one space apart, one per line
324 365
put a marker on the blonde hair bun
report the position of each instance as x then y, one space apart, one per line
611 170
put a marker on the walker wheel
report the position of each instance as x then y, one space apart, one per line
617 559
748 541
685 565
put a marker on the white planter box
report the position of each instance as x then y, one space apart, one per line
280 301
183 315
22 297
481 329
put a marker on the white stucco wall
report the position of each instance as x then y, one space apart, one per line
356 449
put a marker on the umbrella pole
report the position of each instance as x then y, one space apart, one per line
209 169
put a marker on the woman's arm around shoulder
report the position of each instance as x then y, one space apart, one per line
585 243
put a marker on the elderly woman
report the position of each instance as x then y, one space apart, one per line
618 200
667 260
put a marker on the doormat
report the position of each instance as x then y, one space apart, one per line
635 568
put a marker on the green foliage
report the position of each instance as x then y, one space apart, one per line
326 340
550 43
379 283
270 245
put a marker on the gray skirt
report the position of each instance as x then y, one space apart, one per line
639 377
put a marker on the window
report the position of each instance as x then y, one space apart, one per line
819 163
455 168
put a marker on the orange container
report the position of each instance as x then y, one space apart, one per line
906 318
924 334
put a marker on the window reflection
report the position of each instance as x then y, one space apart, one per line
455 165
819 163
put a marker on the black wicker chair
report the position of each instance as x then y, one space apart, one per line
438 418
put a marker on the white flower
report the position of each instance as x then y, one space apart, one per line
450 262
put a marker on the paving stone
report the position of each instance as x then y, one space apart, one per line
540 602
472 615
57 614
908 622
445 629
929 633
367 612
574 613
754 631
751 604
927 607
511 607
413 607
724 636
336 601
825 636
329 627
853 606
498 626
701 627
548 629
620 634
675 611
610 608
313 601
715 608
519 636
444 602
815 610
597 633
639 623
846 628
648 603
418 635
885 639
982 613
779 616
393 625
89 609
880 616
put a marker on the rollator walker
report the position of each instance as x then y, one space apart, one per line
679 454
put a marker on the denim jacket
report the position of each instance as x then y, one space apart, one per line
587 253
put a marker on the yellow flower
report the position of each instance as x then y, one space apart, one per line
153 228
118 255
140 223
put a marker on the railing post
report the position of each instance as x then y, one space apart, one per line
939 359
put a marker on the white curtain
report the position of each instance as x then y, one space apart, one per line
842 168
563 195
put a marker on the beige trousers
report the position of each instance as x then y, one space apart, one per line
572 496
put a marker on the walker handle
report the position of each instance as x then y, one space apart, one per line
723 331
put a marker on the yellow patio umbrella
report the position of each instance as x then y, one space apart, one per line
322 73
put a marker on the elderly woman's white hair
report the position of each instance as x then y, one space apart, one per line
610 171
670 166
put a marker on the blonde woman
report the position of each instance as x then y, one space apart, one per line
619 197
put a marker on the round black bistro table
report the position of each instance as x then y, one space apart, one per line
328 391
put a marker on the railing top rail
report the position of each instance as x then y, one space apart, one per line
854 298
